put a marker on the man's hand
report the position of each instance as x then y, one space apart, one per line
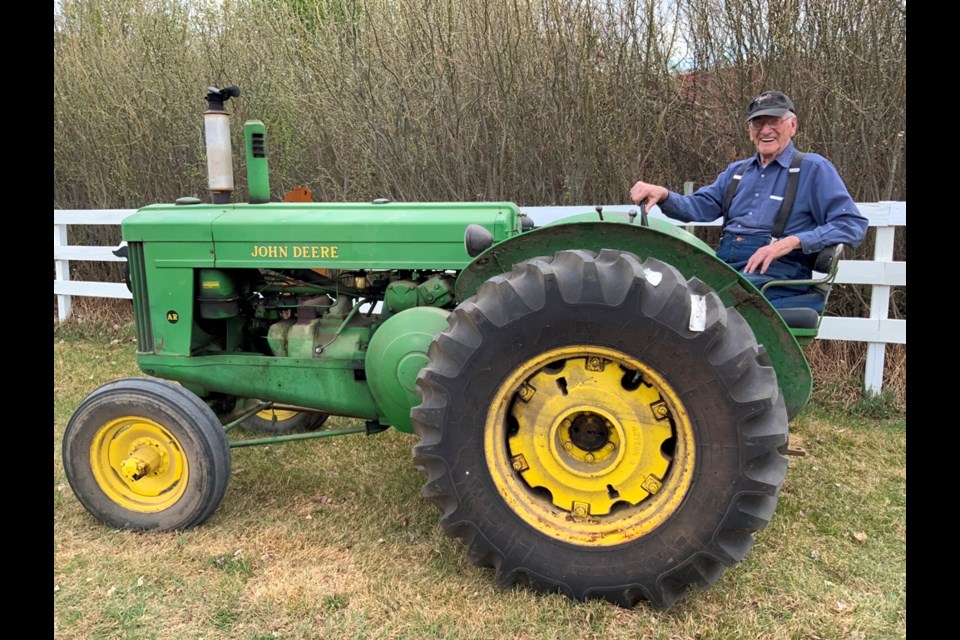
765 255
648 194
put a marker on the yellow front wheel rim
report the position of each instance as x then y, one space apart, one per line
139 464
589 445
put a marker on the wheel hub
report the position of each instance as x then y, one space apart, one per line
589 432
607 446
586 442
138 464
146 457
596 446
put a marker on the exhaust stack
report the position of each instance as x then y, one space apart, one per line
216 125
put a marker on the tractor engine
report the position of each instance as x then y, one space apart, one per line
307 313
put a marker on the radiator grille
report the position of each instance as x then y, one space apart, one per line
141 301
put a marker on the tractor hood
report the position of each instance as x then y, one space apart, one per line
321 235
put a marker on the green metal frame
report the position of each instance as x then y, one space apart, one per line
174 244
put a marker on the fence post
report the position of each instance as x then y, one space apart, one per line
879 311
62 271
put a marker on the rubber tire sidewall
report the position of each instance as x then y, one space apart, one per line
198 431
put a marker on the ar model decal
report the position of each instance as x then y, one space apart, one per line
284 251
173 317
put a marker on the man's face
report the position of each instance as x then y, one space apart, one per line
771 134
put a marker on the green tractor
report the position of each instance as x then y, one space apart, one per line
602 405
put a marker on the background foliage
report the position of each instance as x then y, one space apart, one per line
537 102
534 101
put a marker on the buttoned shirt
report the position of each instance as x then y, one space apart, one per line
824 214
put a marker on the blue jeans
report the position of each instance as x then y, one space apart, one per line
736 250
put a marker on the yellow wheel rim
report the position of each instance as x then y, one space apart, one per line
281 414
139 464
589 445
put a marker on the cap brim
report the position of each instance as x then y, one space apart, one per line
768 112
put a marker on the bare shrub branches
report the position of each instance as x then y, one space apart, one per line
532 101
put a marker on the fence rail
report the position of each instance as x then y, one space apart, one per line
881 273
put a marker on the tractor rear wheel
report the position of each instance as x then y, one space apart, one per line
144 453
600 426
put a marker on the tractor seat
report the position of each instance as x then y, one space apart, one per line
804 311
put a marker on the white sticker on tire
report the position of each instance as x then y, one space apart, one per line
653 277
698 313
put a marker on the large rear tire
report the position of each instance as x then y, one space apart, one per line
144 453
600 426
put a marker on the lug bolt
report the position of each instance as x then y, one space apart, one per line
651 484
519 463
594 364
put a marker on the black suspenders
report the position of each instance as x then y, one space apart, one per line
786 207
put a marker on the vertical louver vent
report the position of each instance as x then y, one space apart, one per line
259 146
141 303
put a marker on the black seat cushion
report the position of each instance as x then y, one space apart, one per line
800 317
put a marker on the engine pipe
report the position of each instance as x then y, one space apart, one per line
216 126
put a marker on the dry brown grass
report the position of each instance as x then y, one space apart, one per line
838 369
106 311
321 540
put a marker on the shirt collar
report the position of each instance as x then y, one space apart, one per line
784 159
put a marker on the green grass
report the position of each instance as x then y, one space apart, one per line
330 539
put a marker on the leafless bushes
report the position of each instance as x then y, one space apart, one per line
532 101
535 101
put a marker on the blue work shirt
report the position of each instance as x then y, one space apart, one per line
824 214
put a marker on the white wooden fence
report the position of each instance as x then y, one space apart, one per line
882 273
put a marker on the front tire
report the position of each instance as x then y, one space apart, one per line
144 453
283 421
600 426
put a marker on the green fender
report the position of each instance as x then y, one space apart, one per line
663 241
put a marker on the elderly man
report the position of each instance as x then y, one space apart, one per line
771 228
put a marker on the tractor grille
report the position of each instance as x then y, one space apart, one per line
141 304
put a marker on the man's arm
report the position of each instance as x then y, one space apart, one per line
706 205
648 194
763 256
836 215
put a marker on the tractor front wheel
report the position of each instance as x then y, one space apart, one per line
144 453
283 421
600 426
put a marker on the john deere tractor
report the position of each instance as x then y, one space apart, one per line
601 403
